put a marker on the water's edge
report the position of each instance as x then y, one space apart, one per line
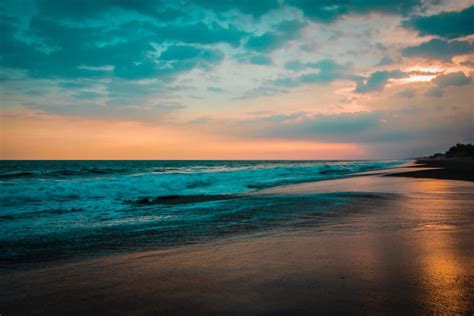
56 210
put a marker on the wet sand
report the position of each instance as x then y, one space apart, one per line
453 169
405 248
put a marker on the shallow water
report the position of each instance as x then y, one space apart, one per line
407 253
58 209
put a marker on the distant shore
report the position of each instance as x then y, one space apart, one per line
452 169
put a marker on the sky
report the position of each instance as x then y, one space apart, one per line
235 79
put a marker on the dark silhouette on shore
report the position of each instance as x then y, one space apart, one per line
457 163
457 151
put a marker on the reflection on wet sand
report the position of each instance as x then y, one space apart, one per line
421 258
444 289
430 219
405 253
442 270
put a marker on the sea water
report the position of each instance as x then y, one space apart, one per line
59 209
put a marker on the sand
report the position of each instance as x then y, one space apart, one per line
453 169
405 247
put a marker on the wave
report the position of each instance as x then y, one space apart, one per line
60 173
108 186
76 206
184 199
150 222
76 233
14 175
37 214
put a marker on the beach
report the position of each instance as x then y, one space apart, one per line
402 245
237 157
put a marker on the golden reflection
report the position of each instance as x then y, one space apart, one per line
437 260
433 266
442 273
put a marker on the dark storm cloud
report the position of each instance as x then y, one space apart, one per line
84 51
328 11
377 80
442 82
111 46
279 35
89 9
78 39
452 79
251 7
439 49
445 24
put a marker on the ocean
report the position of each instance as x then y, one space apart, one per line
51 210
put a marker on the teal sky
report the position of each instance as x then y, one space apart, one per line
235 79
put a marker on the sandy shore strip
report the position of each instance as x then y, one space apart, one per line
405 248
451 169
382 181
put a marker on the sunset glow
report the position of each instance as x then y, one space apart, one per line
205 80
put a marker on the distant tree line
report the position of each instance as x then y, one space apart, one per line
457 151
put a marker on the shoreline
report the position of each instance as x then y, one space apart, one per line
407 178
406 247
450 169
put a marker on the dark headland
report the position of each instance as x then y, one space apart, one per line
457 163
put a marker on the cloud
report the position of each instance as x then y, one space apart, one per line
180 52
74 84
265 42
408 93
320 11
260 60
121 91
446 24
63 50
401 7
452 79
345 127
377 80
175 59
200 32
323 11
325 66
468 63
130 112
440 83
328 70
263 90
439 49
87 95
434 92
254 58
251 7
215 89
87 9
276 38
385 61
133 70
179 58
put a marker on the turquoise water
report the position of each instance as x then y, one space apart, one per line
59 209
